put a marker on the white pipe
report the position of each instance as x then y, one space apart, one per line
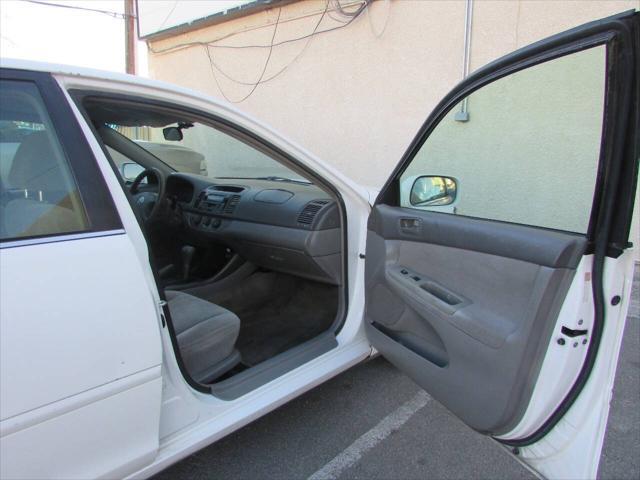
466 56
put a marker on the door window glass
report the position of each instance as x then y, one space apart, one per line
528 152
38 194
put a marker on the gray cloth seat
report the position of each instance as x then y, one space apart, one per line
206 335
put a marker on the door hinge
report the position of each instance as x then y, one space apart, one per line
362 255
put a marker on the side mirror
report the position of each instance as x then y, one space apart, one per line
172 134
433 191
130 171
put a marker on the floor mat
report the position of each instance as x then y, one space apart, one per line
277 312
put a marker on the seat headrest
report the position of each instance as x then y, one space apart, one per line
36 165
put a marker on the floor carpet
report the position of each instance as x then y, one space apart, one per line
277 312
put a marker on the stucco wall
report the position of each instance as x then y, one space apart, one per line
530 147
356 95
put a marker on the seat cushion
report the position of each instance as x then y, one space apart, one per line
25 217
206 335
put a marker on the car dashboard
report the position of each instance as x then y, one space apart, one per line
283 226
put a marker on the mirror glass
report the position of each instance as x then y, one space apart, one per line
131 170
173 134
433 190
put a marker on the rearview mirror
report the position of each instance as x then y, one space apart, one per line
130 171
173 134
433 191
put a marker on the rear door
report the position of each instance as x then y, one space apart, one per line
509 307
80 350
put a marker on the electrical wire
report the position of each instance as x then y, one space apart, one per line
355 13
175 4
213 43
74 7
185 45
214 66
378 34
264 68
331 14
279 72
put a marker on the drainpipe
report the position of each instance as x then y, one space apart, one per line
463 114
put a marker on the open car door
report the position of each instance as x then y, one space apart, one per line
509 308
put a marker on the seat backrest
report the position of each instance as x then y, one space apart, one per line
35 166
47 205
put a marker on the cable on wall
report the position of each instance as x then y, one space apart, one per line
215 43
264 68
279 72
353 13
376 33
215 67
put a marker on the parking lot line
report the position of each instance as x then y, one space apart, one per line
389 424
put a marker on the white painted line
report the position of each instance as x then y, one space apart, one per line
354 452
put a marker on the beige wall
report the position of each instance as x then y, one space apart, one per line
357 95
530 148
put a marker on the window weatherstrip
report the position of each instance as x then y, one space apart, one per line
59 238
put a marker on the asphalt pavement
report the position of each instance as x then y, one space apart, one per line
373 422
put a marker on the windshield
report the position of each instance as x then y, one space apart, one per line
203 150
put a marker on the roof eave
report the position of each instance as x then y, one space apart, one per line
216 18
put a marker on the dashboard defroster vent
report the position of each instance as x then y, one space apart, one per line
310 210
231 204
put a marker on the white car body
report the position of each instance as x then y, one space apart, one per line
136 416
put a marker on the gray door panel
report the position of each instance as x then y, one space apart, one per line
470 320
551 248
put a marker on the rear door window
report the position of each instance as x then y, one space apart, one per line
39 195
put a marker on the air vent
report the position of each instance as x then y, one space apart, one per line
231 204
227 188
309 212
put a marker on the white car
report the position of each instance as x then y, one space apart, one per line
143 321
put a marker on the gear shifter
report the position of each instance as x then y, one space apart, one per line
187 254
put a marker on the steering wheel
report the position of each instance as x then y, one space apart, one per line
148 204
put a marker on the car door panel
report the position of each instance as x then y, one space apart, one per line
107 432
467 313
507 319
551 248
85 332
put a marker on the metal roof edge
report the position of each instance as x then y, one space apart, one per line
216 18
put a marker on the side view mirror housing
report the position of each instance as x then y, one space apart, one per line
433 191
130 171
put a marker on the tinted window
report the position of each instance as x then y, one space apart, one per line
39 195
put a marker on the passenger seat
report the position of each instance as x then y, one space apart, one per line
206 335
